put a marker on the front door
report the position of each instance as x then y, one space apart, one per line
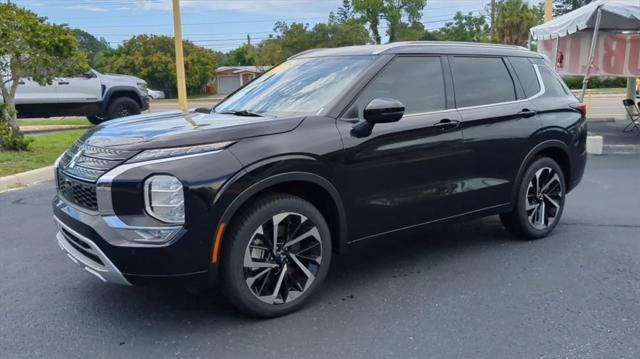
405 173
79 89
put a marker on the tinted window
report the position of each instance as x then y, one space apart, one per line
417 82
526 74
553 85
481 81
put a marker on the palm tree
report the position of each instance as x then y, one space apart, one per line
514 18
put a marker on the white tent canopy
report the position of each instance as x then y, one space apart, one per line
617 15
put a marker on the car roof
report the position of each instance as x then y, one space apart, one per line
423 47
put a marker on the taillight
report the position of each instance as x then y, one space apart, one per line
581 107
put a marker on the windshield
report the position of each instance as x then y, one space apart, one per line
298 86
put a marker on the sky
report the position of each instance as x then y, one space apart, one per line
221 25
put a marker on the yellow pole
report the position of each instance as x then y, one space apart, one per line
182 84
548 10
589 102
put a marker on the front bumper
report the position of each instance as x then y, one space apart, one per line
87 254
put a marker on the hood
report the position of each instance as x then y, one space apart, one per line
175 129
119 78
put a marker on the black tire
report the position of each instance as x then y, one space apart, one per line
295 289
95 120
122 107
528 220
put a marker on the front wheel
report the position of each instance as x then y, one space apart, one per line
277 253
540 201
122 107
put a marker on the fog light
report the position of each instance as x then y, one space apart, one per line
164 198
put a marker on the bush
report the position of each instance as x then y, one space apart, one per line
9 139
575 82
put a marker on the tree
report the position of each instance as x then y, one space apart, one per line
31 47
561 7
345 12
514 18
393 11
241 56
92 46
152 58
465 28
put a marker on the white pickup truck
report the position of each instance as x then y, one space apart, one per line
97 96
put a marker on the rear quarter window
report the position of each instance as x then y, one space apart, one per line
553 84
526 74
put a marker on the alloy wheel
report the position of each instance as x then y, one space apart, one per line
282 258
544 198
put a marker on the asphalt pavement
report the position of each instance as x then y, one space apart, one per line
458 291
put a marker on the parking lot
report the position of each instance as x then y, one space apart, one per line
467 290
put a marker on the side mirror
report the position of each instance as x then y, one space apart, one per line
379 110
203 110
383 110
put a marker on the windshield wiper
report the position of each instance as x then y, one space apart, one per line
242 113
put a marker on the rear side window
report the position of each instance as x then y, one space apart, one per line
481 81
526 74
417 82
553 84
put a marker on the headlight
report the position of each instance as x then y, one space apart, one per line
142 86
179 151
164 198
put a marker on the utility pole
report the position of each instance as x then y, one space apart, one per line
182 84
493 15
248 39
548 10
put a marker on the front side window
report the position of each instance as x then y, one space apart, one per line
481 81
298 86
417 82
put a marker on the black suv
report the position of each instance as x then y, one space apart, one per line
332 147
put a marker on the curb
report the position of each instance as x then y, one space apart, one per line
46 128
25 179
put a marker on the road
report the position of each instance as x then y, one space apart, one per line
600 106
467 290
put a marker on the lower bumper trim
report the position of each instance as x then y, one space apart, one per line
105 271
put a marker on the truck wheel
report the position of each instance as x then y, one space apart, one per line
95 120
122 107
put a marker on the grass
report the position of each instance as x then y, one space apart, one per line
54 122
44 151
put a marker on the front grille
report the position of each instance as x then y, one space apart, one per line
78 192
79 169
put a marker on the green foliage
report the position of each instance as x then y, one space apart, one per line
575 82
513 20
241 56
31 47
393 11
465 28
561 7
152 58
92 46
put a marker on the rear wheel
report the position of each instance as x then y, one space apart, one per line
122 107
278 254
540 201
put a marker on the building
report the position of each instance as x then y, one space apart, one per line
230 78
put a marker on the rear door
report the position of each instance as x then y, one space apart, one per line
79 89
497 123
30 92
404 173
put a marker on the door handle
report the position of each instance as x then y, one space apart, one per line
63 82
526 113
447 124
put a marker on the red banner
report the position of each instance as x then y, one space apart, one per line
616 54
